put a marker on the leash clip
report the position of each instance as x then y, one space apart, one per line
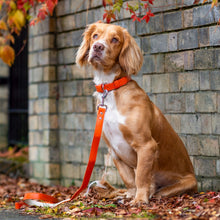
104 95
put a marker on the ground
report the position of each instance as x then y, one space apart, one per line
203 205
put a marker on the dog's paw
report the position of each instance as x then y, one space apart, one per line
139 202
131 193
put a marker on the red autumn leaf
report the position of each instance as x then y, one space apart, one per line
104 3
150 1
135 18
196 2
51 5
147 16
146 6
42 13
108 15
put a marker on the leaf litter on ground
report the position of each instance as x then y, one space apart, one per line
203 205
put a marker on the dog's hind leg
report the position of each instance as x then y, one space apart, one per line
187 184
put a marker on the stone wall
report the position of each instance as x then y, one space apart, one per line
181 74
4 72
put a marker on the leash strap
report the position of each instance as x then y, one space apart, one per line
30 199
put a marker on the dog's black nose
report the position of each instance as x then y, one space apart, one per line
98 47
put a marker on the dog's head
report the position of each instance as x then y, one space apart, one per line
106 46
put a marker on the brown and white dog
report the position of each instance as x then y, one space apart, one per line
149 155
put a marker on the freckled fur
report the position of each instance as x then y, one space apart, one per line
149 155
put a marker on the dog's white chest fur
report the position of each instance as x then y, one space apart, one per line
112 121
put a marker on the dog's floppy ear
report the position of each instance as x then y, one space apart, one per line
83 51
130 58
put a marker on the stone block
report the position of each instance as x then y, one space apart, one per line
33 153
98 14
32 60
145 44
33 91
188 18
33 123
174 120
83 104
38 170
81 19
217 57
49 105
190 124
66 56
175 103
204 80
218 167
216 11
174 62
154 26
203 35
44 154
147 83
215 80
192 145
160 83
37 75
216 185
216 123
160 6
68 88
206 102
52 170
3 118
75 154
81 73
63 7
209 146
47 57
66 23
71 171
203 15
64 39
214 35
49 73
207 184
173 20
188 39
88 87
188 81
205 167
46 90
206 124
172 42
190 102
153 64
159 43
204 59
77 37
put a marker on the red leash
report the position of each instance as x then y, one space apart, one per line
30 199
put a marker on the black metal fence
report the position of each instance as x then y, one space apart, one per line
18 92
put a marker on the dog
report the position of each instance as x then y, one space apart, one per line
149 155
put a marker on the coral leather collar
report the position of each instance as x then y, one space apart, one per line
114 85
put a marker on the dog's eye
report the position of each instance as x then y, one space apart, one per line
95 36
114 40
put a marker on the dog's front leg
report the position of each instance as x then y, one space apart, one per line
146 154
